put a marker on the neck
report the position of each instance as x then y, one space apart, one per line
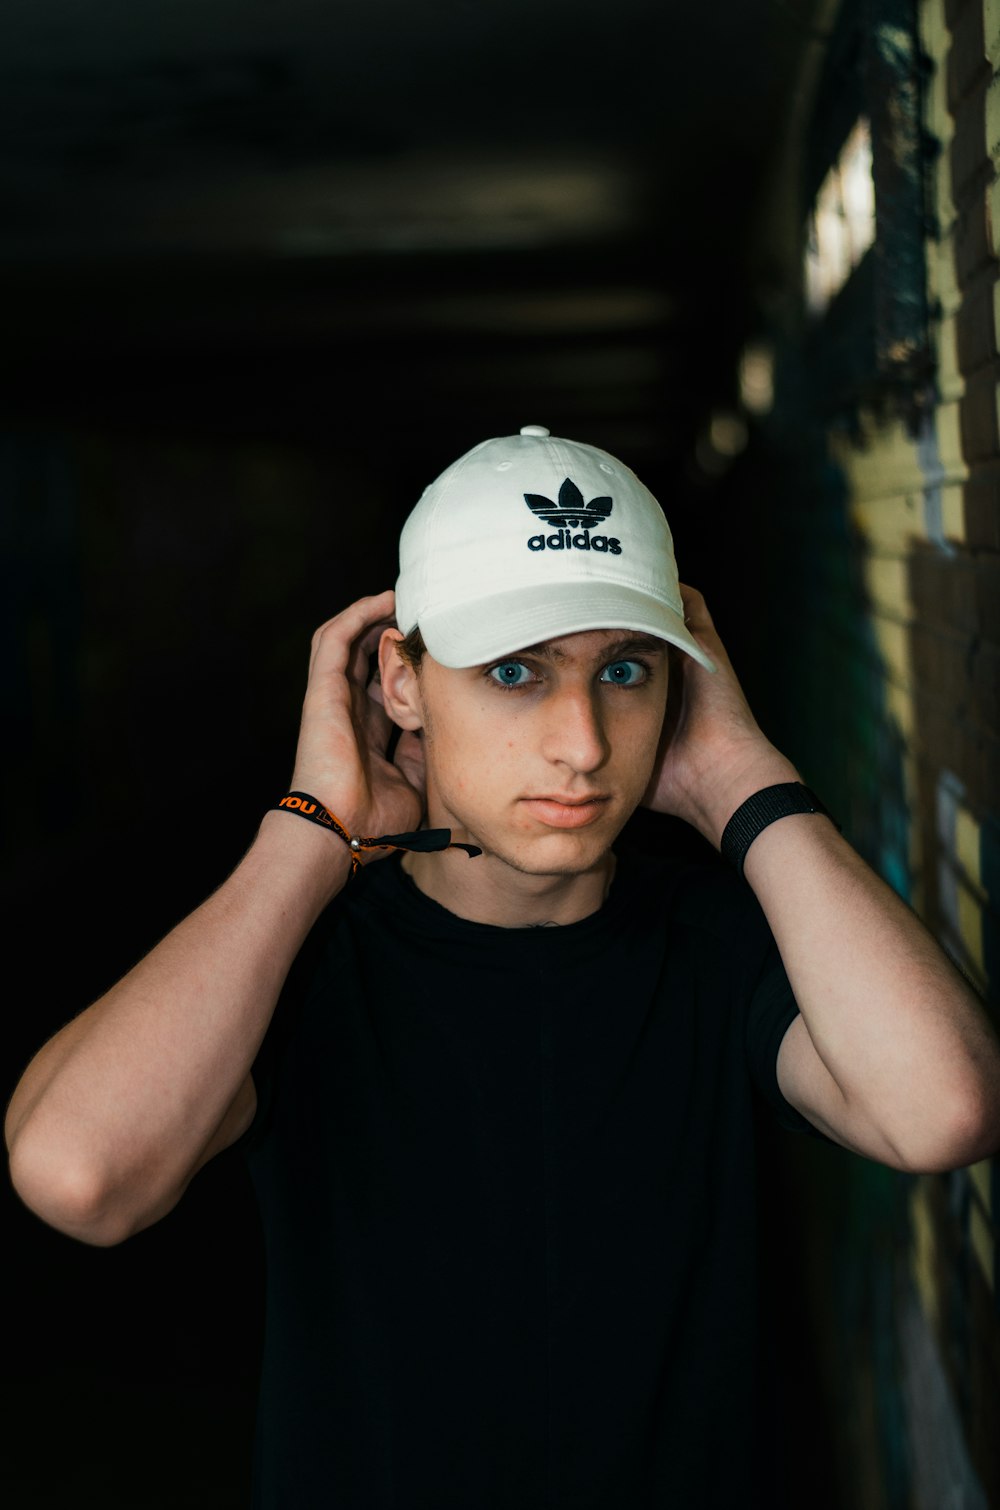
488 890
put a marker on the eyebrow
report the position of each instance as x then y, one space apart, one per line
611 652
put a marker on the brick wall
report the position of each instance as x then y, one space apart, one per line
893 570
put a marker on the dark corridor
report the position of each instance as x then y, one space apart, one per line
264 271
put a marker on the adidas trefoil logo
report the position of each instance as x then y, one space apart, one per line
569 514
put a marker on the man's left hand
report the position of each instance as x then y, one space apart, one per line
713 753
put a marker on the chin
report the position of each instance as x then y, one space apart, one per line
529 848
553 855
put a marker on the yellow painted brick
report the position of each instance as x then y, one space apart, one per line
970 925
887 581
940 120
947 424
979 1174
953 512
945 210
991 26
899 706
891 524
895 680
923 1249
993 118
981 1236
937 117
932 29
942 278
950 381
993 220
935 40
888 465
967 845
893 642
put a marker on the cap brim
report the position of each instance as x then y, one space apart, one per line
502 623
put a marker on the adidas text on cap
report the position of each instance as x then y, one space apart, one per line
529 537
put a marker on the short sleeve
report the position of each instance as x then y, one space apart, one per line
771 1011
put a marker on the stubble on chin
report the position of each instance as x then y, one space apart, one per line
531 859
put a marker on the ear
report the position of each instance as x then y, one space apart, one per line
400 683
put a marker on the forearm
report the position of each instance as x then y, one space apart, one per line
902 1034
896 1025
118 1106
898 1059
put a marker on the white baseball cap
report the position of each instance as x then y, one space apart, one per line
529 537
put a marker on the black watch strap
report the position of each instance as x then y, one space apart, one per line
763 809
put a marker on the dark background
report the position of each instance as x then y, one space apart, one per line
264 271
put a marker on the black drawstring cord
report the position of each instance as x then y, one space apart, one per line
423 841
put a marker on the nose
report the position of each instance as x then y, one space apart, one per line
575 735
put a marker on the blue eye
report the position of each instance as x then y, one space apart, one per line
625 673
510 674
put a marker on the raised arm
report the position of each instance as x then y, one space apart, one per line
118 1111
893 1054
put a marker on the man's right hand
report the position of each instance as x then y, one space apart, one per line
345 730
115 1114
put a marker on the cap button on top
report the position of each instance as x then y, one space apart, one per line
538 430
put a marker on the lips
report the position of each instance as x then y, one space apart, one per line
566 812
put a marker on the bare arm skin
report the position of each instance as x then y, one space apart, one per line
893 1055
117 1112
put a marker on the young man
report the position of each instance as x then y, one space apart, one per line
501 1121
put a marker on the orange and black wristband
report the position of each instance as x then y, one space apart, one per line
425 840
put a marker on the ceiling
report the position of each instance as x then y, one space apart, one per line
215 208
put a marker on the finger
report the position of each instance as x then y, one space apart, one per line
701 625
341 668
362 651
695 608
333 641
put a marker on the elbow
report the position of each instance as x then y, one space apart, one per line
63 1196
954 1137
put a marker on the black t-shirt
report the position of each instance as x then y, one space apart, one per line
507 1185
